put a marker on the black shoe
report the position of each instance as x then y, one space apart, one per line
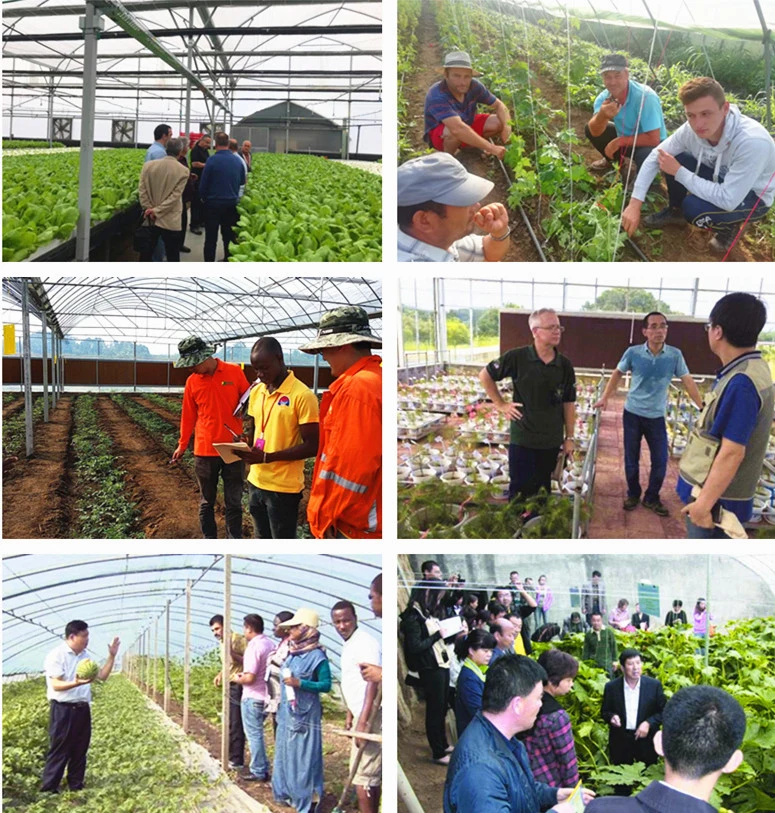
185 250
722 241
667 217
195 231
631 503
657 507
249 777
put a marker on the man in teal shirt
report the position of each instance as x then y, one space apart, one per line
627 121
653 366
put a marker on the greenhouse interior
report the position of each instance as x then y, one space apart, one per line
542 61
720 638
89 364
158 720
86 85
452 443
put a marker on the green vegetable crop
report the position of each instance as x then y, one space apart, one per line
300 208
40 195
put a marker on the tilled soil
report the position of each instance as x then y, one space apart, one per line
14 407
162 412
36 492
166 496
336 754
425 776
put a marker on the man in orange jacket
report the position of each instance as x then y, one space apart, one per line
211 396
346 496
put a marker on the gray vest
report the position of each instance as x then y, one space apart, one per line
702 447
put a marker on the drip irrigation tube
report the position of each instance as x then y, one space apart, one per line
524 216
635 248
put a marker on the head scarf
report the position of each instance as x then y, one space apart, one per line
310 639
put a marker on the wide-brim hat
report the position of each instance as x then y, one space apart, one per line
303 616
441 178
193 351
459 59
345 325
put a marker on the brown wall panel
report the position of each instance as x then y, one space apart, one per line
597 340
113 373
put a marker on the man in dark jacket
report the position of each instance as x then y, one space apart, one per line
703 731
490 771
222 178
200 152
632 708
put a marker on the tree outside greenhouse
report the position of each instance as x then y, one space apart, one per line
731 653
161 719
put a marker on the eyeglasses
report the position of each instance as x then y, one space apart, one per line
708 326
553 328
656 327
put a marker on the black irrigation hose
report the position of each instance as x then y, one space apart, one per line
524 216
635 248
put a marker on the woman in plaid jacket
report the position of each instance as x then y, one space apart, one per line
549 743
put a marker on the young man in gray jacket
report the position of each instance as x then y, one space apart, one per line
718 166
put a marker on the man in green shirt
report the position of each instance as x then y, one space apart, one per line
600 646
545 389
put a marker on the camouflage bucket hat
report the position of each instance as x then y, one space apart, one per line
345 325
193 350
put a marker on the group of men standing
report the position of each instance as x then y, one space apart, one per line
720 468
211 187
284 426
718 166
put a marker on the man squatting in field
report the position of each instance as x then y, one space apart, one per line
718 166
69 728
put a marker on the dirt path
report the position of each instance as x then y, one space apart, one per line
13 407
428 71
36 492
336 753
164 494
425 777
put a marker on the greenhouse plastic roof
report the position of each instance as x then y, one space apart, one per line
171 308
125 595
248 54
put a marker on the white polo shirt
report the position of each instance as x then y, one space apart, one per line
631 700
360 647
61 663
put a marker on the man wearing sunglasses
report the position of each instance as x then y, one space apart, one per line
543 410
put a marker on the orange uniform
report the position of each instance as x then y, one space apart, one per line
208 404
347 481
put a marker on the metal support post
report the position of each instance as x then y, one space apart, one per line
51 113
707 615
767 42
187 658
44 359
695 294
62 365
27 368
188 65
13 106
155 657
167 660
54 371
226 663
134 366
97 366
91 23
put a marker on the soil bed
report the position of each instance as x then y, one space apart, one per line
36 492
14 407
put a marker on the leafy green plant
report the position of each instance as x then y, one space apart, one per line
132 756
15 427
300 208
172 404
104 511
40 195
18 144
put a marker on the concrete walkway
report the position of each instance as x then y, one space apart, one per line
609 519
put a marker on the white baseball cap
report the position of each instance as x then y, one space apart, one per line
439 177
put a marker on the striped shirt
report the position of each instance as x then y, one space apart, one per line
469 249
440 104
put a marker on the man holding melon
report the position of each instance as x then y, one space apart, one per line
69 674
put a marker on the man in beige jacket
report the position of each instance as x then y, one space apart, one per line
161 197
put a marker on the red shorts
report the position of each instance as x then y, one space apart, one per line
436 135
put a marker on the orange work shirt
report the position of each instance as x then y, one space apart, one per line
208 404
347 482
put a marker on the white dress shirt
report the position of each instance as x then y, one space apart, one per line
61 663
631 700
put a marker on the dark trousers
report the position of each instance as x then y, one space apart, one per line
435 683
706 215
184 224
236 731
655 432
600 142
221 216
171 240
208 469
530 470
197 209
275 513
69 734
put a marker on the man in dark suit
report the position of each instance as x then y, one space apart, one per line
641 621
703 730
632 707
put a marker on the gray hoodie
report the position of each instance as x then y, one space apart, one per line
744 159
